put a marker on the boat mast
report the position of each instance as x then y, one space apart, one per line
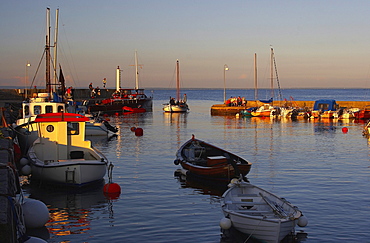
272 72
47 51
137 72
255 77
55 48
276 73
177 81
118 78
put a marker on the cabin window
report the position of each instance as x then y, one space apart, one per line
50 128
60 108
26 110
48 109
37 110
323 107
73 128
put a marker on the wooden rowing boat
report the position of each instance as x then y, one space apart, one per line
202 159
259 213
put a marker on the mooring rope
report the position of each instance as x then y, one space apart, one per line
250 235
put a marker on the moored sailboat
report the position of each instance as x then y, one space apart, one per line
178 105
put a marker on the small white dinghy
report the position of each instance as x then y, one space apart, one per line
61 155
259 213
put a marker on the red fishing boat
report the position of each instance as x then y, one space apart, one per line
123 97
363 113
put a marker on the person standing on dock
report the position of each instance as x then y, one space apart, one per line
104 83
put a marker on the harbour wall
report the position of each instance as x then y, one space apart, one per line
224 110
16 96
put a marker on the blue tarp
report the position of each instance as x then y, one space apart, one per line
267 101
325 105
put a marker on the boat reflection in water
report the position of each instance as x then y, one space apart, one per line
201 186
72 209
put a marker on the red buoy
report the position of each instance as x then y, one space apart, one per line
117 114
112 190
344 130
139 131
133 129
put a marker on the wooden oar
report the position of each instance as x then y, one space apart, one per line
273 207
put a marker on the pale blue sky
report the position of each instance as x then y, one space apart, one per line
316 43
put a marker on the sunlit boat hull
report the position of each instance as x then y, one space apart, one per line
204 160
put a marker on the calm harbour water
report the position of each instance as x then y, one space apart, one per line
314 165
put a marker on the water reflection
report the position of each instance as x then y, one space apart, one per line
326 126
234 236
71 209
177 121
202 186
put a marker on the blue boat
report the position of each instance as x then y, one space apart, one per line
324 108
247 112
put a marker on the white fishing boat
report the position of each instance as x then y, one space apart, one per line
259 213
266 110
177 105
348 113
61 155
51 102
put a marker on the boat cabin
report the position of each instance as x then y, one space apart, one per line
325 105
62 136
37 105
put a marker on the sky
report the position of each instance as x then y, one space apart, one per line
317 44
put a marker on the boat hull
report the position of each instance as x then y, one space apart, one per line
225 172
78 171
175 108
204 160
363 114
261 113
96 129
267 231
118 105
71 173
257 212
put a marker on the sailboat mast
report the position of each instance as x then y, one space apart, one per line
255 77
137 72
177 81
55 48
276 73
272 72
47 51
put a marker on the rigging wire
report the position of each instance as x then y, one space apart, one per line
70 66
277 77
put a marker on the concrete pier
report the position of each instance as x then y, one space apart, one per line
224 110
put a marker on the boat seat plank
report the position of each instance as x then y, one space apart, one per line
253 212
248 195
246 203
